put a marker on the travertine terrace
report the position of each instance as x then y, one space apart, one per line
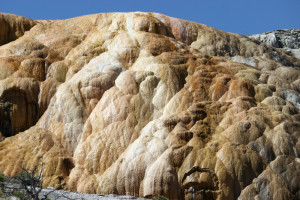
144 104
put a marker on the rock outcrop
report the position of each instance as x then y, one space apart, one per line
144 104
288 39
13 27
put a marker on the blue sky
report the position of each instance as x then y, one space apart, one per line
237 16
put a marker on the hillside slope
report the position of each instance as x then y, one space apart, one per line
288 39
144 104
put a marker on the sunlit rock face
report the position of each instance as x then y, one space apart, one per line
288 39
144 104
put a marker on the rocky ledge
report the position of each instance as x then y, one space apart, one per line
288 39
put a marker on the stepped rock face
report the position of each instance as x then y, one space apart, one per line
144 104
288 39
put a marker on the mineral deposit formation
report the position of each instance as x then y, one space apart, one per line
148 105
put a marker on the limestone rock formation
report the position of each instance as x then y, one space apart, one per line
144 104
288 39
13 27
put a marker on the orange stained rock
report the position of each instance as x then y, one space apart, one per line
147 105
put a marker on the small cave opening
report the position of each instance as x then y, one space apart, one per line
17 113
67 166
5 119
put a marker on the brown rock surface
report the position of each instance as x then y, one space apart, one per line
144 104
13 27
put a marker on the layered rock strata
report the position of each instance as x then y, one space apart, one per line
144 104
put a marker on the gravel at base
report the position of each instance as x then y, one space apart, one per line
58 194
67 195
